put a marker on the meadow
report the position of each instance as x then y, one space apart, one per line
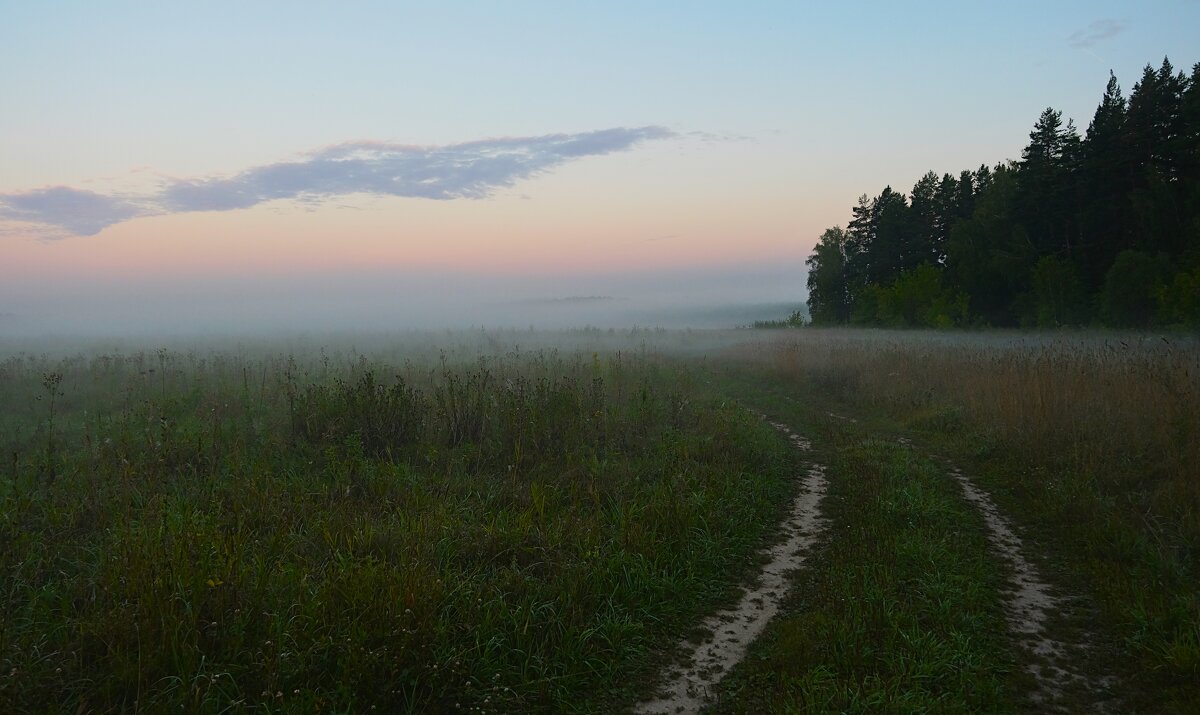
530 522
1089 443
332 532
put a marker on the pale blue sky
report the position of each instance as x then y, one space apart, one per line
97 87
777 115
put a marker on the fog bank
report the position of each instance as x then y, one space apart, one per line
392 300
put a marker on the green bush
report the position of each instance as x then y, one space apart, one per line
1179 300
1131 289
918 298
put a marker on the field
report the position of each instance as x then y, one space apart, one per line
1087 444
532 522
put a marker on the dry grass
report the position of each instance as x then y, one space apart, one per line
1093 439
1123 407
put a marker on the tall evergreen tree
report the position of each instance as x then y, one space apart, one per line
982 178
925 222
1156 118
894 249
1189 139
876 238
1105 186
984 248
966 194
859 235
1156 135
1189 170
1045 201
949 210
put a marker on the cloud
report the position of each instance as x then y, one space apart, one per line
719 137
471 170
76 211
1096 32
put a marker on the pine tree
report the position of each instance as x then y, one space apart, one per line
893 249
949 199
925 222
1105 187
1189 170
967 188
1046 180
859 235
984 247
1155 130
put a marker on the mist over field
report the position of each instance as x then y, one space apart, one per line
394 300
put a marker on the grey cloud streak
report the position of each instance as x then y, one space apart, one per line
73 210
470 170
1095 32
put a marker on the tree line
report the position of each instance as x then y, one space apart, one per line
1096 229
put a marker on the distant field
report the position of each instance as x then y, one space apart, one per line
524 521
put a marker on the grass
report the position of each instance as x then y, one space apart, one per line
1088 442
420 529
899 608
210 532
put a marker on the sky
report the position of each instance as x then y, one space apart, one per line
179 166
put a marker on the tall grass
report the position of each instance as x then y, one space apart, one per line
334 532
1094 440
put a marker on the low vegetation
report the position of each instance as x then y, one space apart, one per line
1089 442
901 610
421 529
206 532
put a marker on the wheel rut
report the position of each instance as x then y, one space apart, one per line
688 687
1030 604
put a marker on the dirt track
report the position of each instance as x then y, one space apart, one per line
1029 603
686 688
